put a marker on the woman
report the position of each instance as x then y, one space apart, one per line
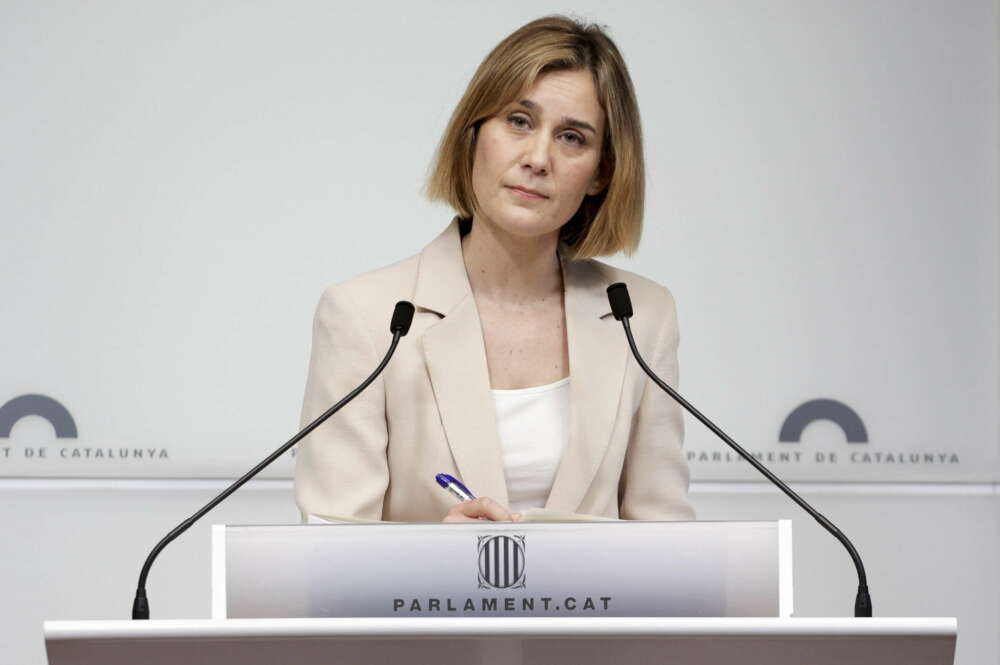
514 376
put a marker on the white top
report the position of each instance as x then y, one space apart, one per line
533 424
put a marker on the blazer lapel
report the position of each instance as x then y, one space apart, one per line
456 362
597 361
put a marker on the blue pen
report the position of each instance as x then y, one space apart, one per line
455 486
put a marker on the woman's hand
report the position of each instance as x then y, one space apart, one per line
483 508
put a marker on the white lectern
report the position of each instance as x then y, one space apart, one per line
503 561
470 641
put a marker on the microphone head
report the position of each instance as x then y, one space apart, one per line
621 304
402 317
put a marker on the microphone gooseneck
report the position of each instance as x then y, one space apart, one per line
402 316
621 308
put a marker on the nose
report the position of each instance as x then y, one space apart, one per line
536 155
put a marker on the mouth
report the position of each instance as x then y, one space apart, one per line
525 193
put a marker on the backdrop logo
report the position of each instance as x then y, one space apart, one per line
37 405
62 422
501 562
833 454
823 409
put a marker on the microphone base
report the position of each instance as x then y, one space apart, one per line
140 606
863 602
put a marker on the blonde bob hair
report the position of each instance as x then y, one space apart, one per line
606 223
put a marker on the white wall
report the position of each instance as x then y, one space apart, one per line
180 180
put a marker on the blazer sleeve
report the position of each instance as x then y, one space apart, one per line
341 467
655 476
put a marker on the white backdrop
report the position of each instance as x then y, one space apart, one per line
180 180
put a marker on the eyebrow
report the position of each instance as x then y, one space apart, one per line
569 122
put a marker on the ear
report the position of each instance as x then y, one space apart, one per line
600 181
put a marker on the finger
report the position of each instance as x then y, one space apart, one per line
455 516
458 513
485 507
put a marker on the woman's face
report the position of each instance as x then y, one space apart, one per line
549 142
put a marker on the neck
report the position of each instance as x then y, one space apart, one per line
510 269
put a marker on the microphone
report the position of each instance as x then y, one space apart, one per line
402 316
621 308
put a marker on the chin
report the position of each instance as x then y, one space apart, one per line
524 225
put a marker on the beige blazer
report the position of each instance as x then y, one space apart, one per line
431 411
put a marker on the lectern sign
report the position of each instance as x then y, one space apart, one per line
501 562
440 570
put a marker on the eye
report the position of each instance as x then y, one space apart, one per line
513 119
